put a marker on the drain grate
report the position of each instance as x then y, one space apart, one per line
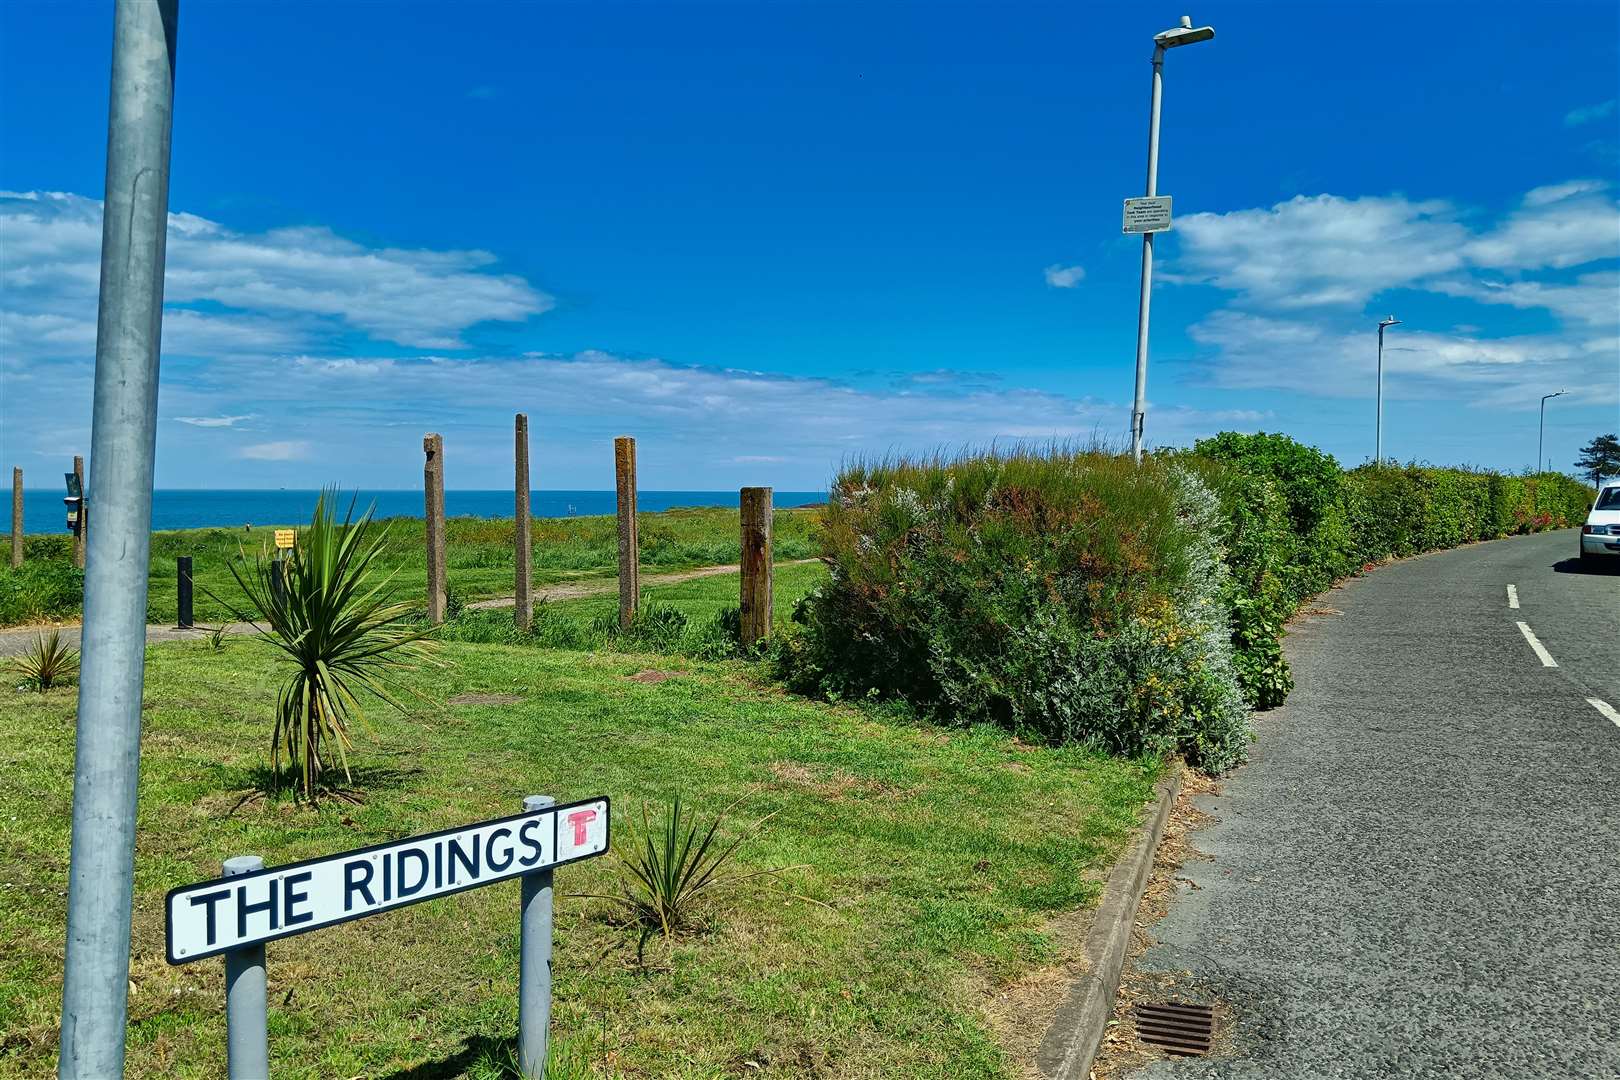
1176 1027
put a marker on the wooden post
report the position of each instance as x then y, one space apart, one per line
16 517
433 494
624 472
523 606
84 514
756 565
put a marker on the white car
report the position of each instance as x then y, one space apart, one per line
1601 534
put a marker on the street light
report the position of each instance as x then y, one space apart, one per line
1378 455
1185 34
1542 432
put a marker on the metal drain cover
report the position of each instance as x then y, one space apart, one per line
1176 1027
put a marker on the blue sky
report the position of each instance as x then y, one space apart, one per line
765 237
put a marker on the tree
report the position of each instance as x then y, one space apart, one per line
1600 458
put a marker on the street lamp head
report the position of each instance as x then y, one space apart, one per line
1389 320
1185 34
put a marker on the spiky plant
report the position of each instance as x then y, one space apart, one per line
334 618
216 638
47 661
677 866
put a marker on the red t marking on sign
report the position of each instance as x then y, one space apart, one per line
579 819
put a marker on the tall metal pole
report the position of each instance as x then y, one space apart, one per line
1139 409
122 443
1378 452
1541 431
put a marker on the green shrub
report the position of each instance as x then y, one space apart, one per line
1311 484
1255 536
41 589
1069 597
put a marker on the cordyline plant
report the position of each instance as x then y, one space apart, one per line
334 617
47 662
677 866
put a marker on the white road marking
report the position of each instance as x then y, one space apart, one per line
1513 596
1605 708
1541 650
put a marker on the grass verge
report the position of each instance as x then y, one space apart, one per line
932 861
478 553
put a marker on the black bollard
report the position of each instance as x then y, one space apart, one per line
182 565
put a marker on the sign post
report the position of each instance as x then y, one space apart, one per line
237 914
534 962
247 1016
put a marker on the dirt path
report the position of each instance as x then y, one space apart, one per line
17 638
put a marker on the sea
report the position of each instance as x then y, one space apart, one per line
186 508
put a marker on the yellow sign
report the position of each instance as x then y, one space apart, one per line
284 538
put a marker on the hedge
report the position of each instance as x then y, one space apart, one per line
1075 597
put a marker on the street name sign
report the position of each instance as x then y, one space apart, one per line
284 538
227 913
1148 214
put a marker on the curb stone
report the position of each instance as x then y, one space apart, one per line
1075 1034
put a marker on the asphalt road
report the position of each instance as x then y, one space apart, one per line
1418 874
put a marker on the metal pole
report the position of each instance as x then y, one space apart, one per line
1541 432
122 442
247 1030
1378 452
182 592
1139 409
534 964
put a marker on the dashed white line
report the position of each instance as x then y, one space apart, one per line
1513 596
1605 708
1541 650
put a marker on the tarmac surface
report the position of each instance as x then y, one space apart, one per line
1418 873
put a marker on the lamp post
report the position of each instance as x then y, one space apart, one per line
1185 34
1378 452
1541 433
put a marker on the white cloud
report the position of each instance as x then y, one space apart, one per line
285 450
1559 226
702 417
1588 113
1064 277
260 292
1334 255
1337 357
213 421
1321 249
1592 299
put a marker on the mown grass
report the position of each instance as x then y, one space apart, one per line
478 551
931 861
